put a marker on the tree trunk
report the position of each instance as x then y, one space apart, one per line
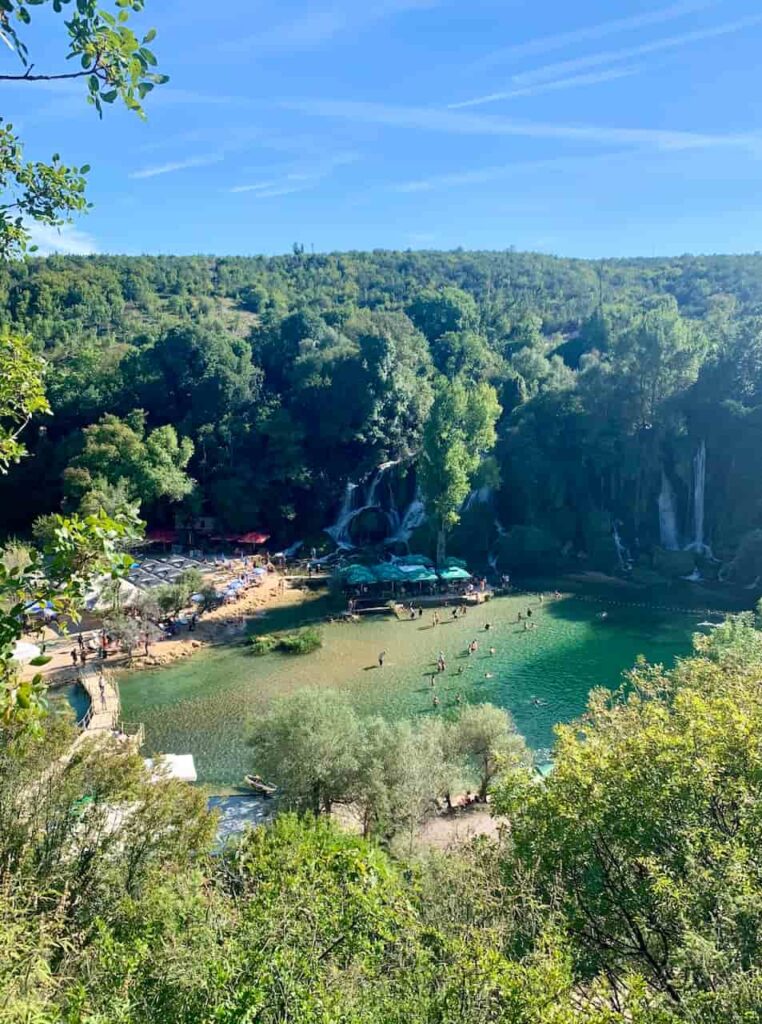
441 546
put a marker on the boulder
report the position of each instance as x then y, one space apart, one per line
673 564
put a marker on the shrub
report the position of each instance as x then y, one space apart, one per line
264 644
303 641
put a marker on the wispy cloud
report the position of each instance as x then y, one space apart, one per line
458 122
255 187
299 178
314 27
63 239
566 67
498 172
283 187
178 165
594 78
546 44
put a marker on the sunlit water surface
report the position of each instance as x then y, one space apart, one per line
205 706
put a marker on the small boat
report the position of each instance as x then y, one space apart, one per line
256 783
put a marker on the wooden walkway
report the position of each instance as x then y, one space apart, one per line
103 715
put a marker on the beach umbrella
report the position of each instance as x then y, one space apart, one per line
386 572
420 574
357 575
455 563
253 537
413 560
453 574
161 536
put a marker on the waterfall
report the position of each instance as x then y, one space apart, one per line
699 493
668 537
415 516
479 496
360 498
339 532
622 554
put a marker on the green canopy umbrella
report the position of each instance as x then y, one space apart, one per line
357 575
387 572
454 573
455 563
418 574
413 560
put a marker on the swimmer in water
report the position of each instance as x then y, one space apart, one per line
488 675
460 670
457 698
433 679
492 651
435 701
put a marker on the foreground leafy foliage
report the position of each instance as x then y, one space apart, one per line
627 886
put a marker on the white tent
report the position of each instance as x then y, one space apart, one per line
25 652
105 592
172 766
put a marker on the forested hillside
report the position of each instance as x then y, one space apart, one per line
254 389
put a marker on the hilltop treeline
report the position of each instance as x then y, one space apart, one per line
254 388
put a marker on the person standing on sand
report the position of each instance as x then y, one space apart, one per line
74 656
381 657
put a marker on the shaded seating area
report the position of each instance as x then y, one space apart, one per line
409 577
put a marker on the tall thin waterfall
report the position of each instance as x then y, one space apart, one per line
668 536
339 532
699 496
479 496
622 554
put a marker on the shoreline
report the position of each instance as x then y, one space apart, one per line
216 628
229 623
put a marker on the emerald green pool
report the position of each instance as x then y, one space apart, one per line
204 706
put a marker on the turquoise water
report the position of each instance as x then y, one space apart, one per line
204 706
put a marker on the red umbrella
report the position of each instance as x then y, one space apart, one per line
161 536
253 538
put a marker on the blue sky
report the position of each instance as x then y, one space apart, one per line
594 128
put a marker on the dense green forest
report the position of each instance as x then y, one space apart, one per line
255 389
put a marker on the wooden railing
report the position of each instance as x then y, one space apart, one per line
134 731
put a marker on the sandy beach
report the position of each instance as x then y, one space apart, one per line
221 625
